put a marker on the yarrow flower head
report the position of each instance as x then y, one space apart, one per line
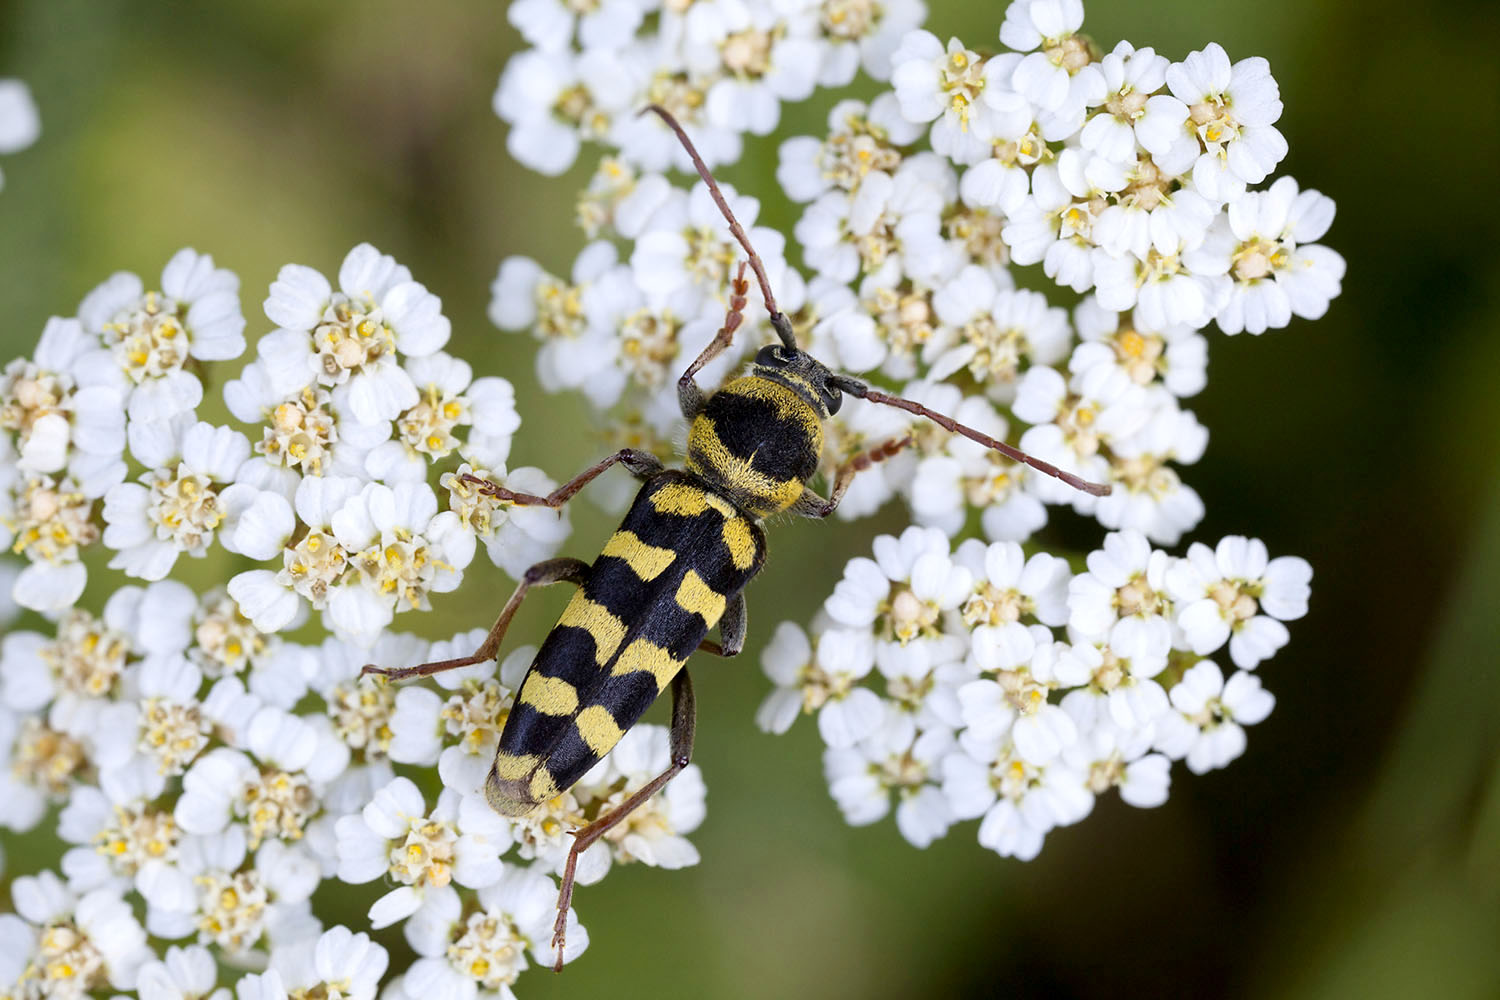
154 336
723 67
352 338
1019 721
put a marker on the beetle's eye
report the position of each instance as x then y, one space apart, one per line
832 398
773 356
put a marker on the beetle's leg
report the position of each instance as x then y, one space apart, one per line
689 396
573 571
642 464
684 718
809 504
731 629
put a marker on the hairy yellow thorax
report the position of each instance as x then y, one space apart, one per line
756 442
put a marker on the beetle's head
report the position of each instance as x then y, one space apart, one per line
804 374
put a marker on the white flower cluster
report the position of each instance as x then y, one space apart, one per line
978 683
1125 176
723 67
20 124
351 401
209 773
198 788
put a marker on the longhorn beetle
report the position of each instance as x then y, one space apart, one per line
678 564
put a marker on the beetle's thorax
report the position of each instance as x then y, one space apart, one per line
757 440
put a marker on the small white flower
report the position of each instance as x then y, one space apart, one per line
1048 77
225 642
1120 677
864 34
579 351
826 682
179 504
40 764
486 949
1176 355
900 595
66 408
184 974
686 258
1017 802
1264 243
1235 593
121 836
1111 757
1016 328
958 473
310 568
554 99
515 537
1162 286
395 835
310 432
450 399
153 334
1219 119
275 798
338 961
83 662
81 943
861 138
169 727
893 762
210 890
550 25
1148 495
1026 665
644 140
399 550
1076 418
1206 724
355 336
1055 225
1119 85
934 83
761 66
1008 586
61 447
1126 581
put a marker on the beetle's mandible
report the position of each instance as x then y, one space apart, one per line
678 564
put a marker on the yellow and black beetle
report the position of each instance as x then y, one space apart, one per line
678 564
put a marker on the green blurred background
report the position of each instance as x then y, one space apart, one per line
1354 850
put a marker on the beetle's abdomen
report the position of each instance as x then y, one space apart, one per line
660 584
757 442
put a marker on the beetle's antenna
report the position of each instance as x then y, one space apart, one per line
779 322
858 389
